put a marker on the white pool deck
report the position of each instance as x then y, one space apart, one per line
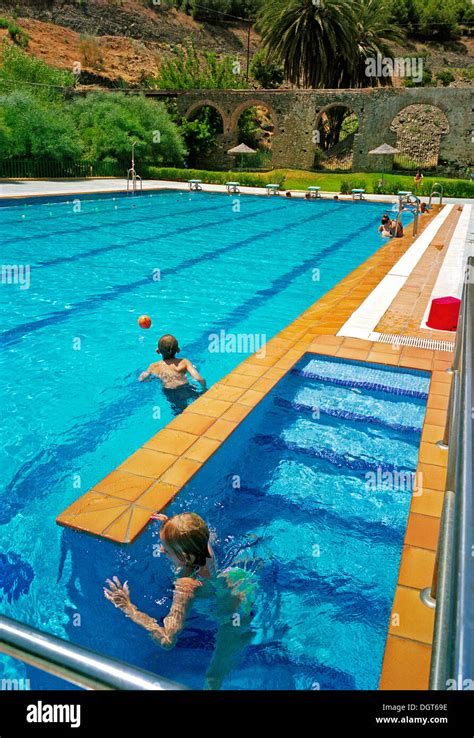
30 188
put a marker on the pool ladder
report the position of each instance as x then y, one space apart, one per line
436 191
413 201
132 178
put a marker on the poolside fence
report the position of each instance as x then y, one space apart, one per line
21 168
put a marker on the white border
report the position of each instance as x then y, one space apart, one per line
363 321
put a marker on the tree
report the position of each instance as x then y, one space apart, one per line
109 123
326 44
266 72
437 20
314 43
373 30
37 130
189 70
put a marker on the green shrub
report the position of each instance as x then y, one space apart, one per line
17 66
17 34
246 179
109 123
191 71
347 185
36 129
267 73
445 76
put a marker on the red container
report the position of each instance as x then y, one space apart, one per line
444 314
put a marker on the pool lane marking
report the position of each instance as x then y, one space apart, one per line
133 399
195 346
13 335
300 337
111 223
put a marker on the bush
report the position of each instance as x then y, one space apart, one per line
246 179
90 51
347 185
426 80
267 73
17 34
37 130
445 76
109 123
191 71
16 65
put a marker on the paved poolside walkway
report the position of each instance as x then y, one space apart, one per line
30 188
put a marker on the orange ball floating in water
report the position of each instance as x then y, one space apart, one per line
144 321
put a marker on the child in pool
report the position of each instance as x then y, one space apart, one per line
170 370
185 540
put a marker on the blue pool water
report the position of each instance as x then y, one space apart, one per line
71 351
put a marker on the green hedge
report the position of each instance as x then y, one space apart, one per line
247 179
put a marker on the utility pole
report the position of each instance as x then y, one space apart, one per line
248 49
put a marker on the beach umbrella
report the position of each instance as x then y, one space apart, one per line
384 150
241 149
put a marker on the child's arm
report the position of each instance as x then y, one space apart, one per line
149 374
173 623
191 369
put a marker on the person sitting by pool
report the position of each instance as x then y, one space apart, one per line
418 178
185 541
170 370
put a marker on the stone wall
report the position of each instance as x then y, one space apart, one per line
295 116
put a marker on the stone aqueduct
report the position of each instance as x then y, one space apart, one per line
295 115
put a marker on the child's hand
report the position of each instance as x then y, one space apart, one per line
159 516
143 376
118 595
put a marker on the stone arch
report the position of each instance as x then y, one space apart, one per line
251 103
418 129
334 151
196 106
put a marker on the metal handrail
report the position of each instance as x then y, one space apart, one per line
75 664
452 661
436 192
404 200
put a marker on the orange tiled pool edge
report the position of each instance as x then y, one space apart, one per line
119 506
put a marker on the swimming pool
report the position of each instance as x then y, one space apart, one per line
71 348
311 496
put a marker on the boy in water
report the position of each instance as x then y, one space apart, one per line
229 593
170 370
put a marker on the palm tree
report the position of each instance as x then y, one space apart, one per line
314 41
373 32
324 43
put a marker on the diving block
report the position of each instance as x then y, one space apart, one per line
272 189
232 187
314 191
195 184
358 193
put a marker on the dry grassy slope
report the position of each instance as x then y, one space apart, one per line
132 39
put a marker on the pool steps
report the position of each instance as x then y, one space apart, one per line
333 412
119 506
